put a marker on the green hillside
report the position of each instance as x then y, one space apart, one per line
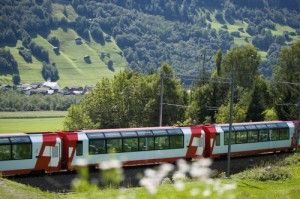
72 68
143 35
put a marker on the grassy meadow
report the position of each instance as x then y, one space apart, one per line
35 121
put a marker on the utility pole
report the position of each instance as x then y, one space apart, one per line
161 97
288 84
230 124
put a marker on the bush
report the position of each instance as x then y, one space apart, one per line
268 173
26 54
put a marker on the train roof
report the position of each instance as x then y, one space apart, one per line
129 129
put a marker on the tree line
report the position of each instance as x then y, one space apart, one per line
16 101
133 100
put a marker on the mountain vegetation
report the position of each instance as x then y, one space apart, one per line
140 35
245 49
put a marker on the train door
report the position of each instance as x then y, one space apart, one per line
201 144
55 154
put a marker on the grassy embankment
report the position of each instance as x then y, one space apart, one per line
280 181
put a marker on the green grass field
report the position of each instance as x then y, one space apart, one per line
17 125
35 121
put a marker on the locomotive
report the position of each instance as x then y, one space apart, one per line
25 153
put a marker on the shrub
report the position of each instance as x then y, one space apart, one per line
268 173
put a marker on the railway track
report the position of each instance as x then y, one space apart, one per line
61 182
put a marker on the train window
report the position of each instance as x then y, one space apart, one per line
241 137
95 135
176 141
128 134
114 145
159 132
162 142
97 146
264 135
79 148
175 132
146 143
275 134
5 151
272 126
20 139
226 138
130 144
250 127
112 135
4 141
218 139
239 128
284 134
21 151
261 126
145 133
282 125
252 136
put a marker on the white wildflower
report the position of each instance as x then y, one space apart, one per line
179 185
166 168
206 193
194 192
150 173
183 166
179 176
110 164
81 162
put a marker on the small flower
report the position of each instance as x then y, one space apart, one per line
177 176
206 193
110 164
183 166
194 192
81 162
179 185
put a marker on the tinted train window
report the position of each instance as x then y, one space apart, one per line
97 146
96 143
5 152
252 136
21 151
264 135
218 139
226 138
21 147
162 142
275 134
79 148
284 134
241 137
176 138
114 145
146 143
176 142
130 144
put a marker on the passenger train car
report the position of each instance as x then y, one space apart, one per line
25 153
249 138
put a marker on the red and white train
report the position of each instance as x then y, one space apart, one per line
25 153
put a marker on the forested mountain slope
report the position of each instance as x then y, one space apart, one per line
138 34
